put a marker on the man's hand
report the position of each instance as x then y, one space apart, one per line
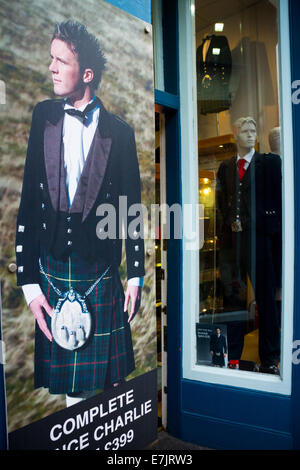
134 294
37 306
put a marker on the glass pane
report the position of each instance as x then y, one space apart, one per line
239 185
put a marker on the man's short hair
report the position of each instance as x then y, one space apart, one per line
87 47
241 121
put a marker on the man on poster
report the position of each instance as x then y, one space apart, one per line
79 157
218 348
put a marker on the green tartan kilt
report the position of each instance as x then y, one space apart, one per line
107 357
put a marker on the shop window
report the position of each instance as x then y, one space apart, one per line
240 186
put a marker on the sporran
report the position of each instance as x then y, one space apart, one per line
71 322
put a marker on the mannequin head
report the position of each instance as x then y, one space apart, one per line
274 140
244 131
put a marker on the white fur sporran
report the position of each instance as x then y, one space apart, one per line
71 322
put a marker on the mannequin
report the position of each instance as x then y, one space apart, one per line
249 213
274 140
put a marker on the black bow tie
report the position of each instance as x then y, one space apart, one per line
83 114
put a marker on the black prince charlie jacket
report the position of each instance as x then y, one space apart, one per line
44 219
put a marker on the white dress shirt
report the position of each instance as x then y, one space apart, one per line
247 157
77 139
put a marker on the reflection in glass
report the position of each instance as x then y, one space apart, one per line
239 186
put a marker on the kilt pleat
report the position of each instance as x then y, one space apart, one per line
108 355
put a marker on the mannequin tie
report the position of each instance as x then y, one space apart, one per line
241 162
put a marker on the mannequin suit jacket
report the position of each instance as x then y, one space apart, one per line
259 194
46 222
213 74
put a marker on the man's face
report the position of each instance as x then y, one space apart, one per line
66 76
246 136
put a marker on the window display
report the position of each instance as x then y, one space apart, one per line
240 187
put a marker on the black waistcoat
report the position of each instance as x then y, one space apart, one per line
67 239
238 199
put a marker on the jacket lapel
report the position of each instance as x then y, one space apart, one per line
253 170
232 176
101 150
52 152
93 173
92 176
